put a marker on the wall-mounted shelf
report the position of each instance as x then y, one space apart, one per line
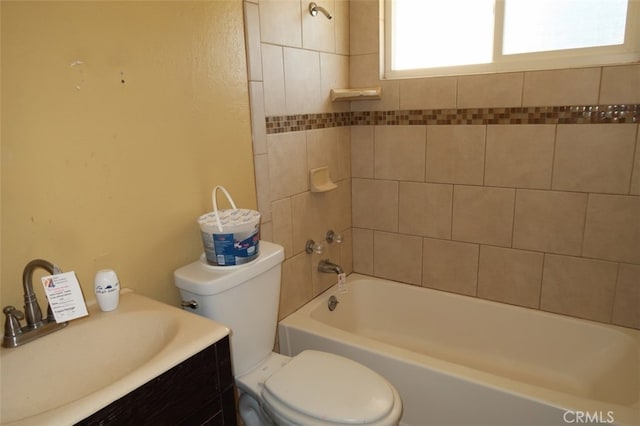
363 94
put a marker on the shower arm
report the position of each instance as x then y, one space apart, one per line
314 8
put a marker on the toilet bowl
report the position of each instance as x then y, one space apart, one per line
312 388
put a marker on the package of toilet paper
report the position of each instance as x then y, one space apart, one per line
230 236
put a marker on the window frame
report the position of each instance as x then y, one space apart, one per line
628 52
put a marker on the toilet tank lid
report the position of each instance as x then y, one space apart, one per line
332 388
203 279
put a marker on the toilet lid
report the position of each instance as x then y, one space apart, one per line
330 387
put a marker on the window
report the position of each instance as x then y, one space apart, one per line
453 37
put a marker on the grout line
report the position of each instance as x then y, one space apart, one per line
544 261
636 152
513 217
478 272
553 156
484 160
615 291
584 224
601 76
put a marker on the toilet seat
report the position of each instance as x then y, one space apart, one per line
322 388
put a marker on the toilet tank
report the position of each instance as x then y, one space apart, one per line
244 298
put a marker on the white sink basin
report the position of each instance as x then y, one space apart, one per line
63 377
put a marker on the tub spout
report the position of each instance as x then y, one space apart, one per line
329 267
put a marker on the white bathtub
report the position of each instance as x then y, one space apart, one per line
460 360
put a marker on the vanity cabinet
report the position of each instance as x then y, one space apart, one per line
198 391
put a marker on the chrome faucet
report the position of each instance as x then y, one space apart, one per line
329 267
14 334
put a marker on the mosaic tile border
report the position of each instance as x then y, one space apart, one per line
583 114
296 123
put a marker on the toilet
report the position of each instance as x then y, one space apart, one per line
312 388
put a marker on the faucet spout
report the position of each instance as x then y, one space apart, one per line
32 310
36 327
329 267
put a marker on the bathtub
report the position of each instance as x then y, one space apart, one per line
458 360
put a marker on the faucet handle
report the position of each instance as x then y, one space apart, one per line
332 237
11 310
12 322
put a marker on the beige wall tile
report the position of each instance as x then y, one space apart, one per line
428 93
363 72
626 305
258 126
397 257
520 156
273 76
344 210
309 222
490 90
343 140
635 178
425 209
362 251
375 204
578 287
561 87
594 158
399 152
455 154
266 231
364 23
342 16
390 98
510 276
362 151
483 215
549 221
620 85
280 22
252 40
302 81
346 251
323 149
450 266
288 171
334 73
261 168
319 33
612 230
296 288
283 226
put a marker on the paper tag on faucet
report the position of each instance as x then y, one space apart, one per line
342 283
65 296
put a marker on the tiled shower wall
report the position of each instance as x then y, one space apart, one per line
474 184
294 60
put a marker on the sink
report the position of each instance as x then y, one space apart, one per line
63 377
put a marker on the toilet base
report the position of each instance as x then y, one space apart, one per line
251 413
250 388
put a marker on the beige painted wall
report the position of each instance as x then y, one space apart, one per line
118 120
